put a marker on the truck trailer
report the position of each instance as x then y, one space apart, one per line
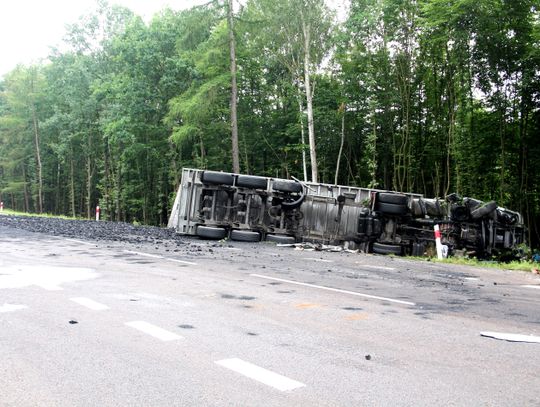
220 205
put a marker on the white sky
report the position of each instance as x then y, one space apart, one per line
29 27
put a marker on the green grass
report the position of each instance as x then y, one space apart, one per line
40 215
513 265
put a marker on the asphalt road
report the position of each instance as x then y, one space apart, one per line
86 323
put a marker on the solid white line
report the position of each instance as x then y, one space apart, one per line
155 256
371 266
260 374
512 337
12 307
88 303
337 290
153 330
180 261
78 241
321 260
531 286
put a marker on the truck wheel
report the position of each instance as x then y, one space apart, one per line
210 232
245 235
217 178
281 239
392 209
291 203
484 210
249 181
383 248
392 198
287 186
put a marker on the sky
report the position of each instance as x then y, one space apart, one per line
28 28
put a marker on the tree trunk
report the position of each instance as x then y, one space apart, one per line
38 160
234 91
309 99
303 135
72 184
342 108
26 199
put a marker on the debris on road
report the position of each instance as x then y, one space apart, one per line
73 322
511 337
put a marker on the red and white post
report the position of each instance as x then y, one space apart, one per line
1 206
97 212
438 243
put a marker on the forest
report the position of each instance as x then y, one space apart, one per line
424 96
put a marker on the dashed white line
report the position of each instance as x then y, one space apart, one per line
260 374
155 256
88 303
371 266
153 330
471 278
321 260
12 307
531 286
337 290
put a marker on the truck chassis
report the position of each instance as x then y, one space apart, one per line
218 205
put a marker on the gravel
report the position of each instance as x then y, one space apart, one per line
92 230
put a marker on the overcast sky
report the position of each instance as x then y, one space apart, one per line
29 27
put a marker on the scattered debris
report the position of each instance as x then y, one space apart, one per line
511 337
368 357
72 322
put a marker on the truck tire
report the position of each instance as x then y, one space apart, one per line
383 248
210 232
484 210
249 181
245 235
392 198
287 186
293 203
217 178
392 209
281 239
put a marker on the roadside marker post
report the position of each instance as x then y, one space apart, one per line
438 242
1 206
97 212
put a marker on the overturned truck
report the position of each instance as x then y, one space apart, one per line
217 205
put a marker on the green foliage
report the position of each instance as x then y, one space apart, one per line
440 96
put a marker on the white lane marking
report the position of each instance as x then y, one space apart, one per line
88 303
233 248
321 260
153 330
180 261
78 241
337 290
531 286
47 277
371 266
12 307
260 374
512 337
471 278
155 256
